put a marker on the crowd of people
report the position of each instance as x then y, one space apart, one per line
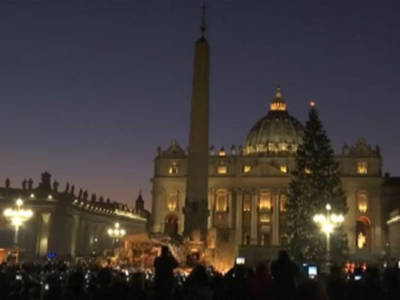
281 279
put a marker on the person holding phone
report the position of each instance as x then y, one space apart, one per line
164 266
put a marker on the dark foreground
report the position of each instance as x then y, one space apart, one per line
61 281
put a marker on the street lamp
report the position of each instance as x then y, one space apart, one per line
328 223
17 216
116 232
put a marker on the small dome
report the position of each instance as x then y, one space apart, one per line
277 132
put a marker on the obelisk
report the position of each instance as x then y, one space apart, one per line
196 206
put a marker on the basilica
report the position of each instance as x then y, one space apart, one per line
247 185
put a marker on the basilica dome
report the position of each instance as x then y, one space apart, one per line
277 132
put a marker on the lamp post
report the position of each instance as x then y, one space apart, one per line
17 216
327 223
116 233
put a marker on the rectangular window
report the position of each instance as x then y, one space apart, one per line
172 203
246 202
222 170
173 169
221 203
246 169
362 167
362 202
264 202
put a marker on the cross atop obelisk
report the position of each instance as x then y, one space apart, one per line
203 19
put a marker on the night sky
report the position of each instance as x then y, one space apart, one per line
89 89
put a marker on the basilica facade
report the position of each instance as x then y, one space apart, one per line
240 194
248 185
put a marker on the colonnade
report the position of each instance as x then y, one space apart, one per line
235 212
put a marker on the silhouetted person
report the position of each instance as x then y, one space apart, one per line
373 288
103 289
76 285
391 282
310 290
138 292
261 286
336 284
284 272
197 285
238 282
164 266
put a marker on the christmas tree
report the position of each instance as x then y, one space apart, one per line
314 183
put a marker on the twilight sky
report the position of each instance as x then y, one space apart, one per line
89 89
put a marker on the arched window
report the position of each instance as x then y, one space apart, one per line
221 201
172 201
363 233
362 201
173 168
362 167
264 201
171 225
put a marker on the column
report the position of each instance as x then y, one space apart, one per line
44 233
80 237
231 209
275 218
74 235
238 221
254 221
377 241
181 215
210 219
158 206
